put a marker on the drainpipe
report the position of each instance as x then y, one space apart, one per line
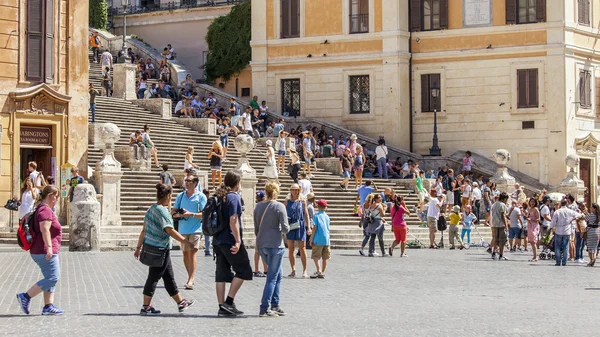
410 85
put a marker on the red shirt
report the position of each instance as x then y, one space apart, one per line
44 213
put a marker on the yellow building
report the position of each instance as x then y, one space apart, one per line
345 61
43 90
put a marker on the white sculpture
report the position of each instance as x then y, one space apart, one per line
502 157
572 162
109 134
572 184
244 144
504 181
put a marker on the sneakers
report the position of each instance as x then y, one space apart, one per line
403 255
580 261
185 304
362 252
493 255
278 311
502 258
207 254
51 310
23 302
452 248
375 254
230 308
512 250
258 274
268 313
149 310
315 275
224 313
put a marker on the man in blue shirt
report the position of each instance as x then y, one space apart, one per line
278 127
320 238
229 248
363 193
188 208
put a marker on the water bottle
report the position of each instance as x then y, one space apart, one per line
213 221
27 233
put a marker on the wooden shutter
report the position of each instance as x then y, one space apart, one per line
521 88
49 42
585 10
295 18
540 10
533 88
582 101
443 14
588 88
363 7
434 79
580 10
511 12
284 20
34 32
416 15
425 94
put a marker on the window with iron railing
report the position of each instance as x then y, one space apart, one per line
360 98
359 16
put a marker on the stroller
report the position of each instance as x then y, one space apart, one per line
547 252
482 242
416 243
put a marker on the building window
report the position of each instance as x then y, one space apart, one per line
585 89
40 41
428 15
360 97
525 11
359 16
245 92
527 88
290 97
290 18
583 12
428 102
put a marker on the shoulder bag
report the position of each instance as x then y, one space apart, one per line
12 204
153 256
296 224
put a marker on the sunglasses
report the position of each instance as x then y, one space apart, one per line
188 180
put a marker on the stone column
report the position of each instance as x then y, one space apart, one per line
107 176
124 81
84 222
504 181
244 144
572 184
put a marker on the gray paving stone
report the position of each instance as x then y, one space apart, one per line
429 293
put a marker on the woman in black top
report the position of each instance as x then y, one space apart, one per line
215 154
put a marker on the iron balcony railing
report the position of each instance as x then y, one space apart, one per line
171 5
359 23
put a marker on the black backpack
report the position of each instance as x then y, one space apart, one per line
213 220
441 224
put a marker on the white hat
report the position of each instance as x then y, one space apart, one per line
440 195
269 142
353 136
475 183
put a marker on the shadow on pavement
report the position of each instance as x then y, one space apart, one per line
178 315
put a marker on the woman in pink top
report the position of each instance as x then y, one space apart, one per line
44 252
533 226
399 228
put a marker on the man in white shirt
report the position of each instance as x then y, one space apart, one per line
246 123
477 196
433 213
381 153
307 151
171 54
305 186
107 59
545 215
37 178
561 222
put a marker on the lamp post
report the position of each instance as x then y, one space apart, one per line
124 58
435 149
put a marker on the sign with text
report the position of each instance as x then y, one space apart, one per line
35 135
478 12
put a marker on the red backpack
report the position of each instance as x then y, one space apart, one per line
27 228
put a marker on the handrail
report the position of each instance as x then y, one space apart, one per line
171 5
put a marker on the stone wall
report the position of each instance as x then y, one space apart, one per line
158 106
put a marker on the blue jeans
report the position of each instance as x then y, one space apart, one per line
273 257
465 231
207 244
93 108
50 271
579 243
561 248
382 168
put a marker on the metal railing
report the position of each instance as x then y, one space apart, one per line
171 5
359 23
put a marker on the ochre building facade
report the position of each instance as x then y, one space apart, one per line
43 91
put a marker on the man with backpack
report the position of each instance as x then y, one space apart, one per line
447 183
225 208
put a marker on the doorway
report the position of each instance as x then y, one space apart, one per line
42 157
585 166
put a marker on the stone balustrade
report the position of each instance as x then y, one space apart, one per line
124 81
157 106
329 165
207 126
127 157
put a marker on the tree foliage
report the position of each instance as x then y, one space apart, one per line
228 40
98 14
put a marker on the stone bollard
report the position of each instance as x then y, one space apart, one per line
84 219
107 176
503 180
124 81
244 144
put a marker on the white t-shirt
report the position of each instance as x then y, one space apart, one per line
106 57
515 214
306 143
280 144
263 108
545 210
381 151
305 186
179 106
466 193
247 121
476 193
434 210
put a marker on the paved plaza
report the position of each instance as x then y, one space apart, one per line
429 293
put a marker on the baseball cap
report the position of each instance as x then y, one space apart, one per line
260 194
322 203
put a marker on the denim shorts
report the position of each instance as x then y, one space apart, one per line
216 168
514 233
50 270
281 153
346 174
225 141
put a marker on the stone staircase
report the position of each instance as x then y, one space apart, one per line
172 140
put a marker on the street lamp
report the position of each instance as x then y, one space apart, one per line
435 149
124 57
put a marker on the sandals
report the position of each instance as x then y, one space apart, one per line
292 274
533 260
189 286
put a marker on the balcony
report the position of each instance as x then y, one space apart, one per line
359 23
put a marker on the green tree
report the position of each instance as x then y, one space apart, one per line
98 14
228 40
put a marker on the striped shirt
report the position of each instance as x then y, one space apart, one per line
591 219
157 219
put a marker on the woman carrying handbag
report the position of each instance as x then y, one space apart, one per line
155 239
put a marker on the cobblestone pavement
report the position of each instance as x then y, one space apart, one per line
429 293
